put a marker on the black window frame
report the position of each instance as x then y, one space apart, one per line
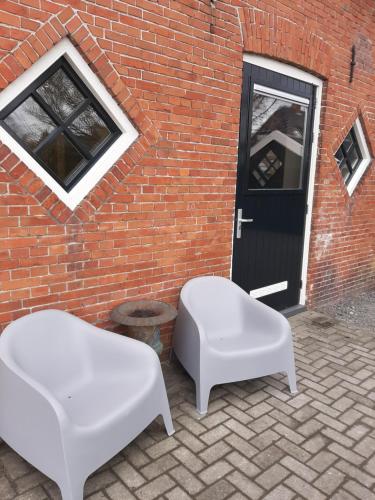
62 124
345 160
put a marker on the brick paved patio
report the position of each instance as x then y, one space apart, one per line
256 441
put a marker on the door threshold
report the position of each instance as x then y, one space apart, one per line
292 311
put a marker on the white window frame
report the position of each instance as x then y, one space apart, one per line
299 74
106 161
366 157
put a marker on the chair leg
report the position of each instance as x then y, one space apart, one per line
72 489
291 373
203 394
166 414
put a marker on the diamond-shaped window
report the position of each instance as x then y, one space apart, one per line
353 156
61 121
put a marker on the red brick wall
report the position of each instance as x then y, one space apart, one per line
164 212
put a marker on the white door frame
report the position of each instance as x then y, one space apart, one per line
299 74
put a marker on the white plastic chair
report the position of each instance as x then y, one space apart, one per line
223 335
73 395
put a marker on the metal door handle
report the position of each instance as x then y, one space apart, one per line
240 221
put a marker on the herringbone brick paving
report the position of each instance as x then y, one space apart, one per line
257 441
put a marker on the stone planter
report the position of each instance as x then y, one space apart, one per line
143 318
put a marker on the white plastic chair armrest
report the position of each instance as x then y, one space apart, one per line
32 422
35 390
268 317
196 328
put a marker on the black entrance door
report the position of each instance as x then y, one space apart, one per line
272 179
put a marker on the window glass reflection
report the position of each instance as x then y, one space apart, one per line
61 123
276 143
61 94
89 129
61 156
30 123
348 156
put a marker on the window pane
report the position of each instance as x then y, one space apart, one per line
30 123
353 158
348 142
339 156
345 172
263 166
89 129
61 94
61 156
271 156
277 142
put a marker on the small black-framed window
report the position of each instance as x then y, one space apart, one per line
61 124
349 156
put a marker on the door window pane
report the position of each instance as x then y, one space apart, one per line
277 142
30 123
61 156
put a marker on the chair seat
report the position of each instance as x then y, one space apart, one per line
243 341
100 400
